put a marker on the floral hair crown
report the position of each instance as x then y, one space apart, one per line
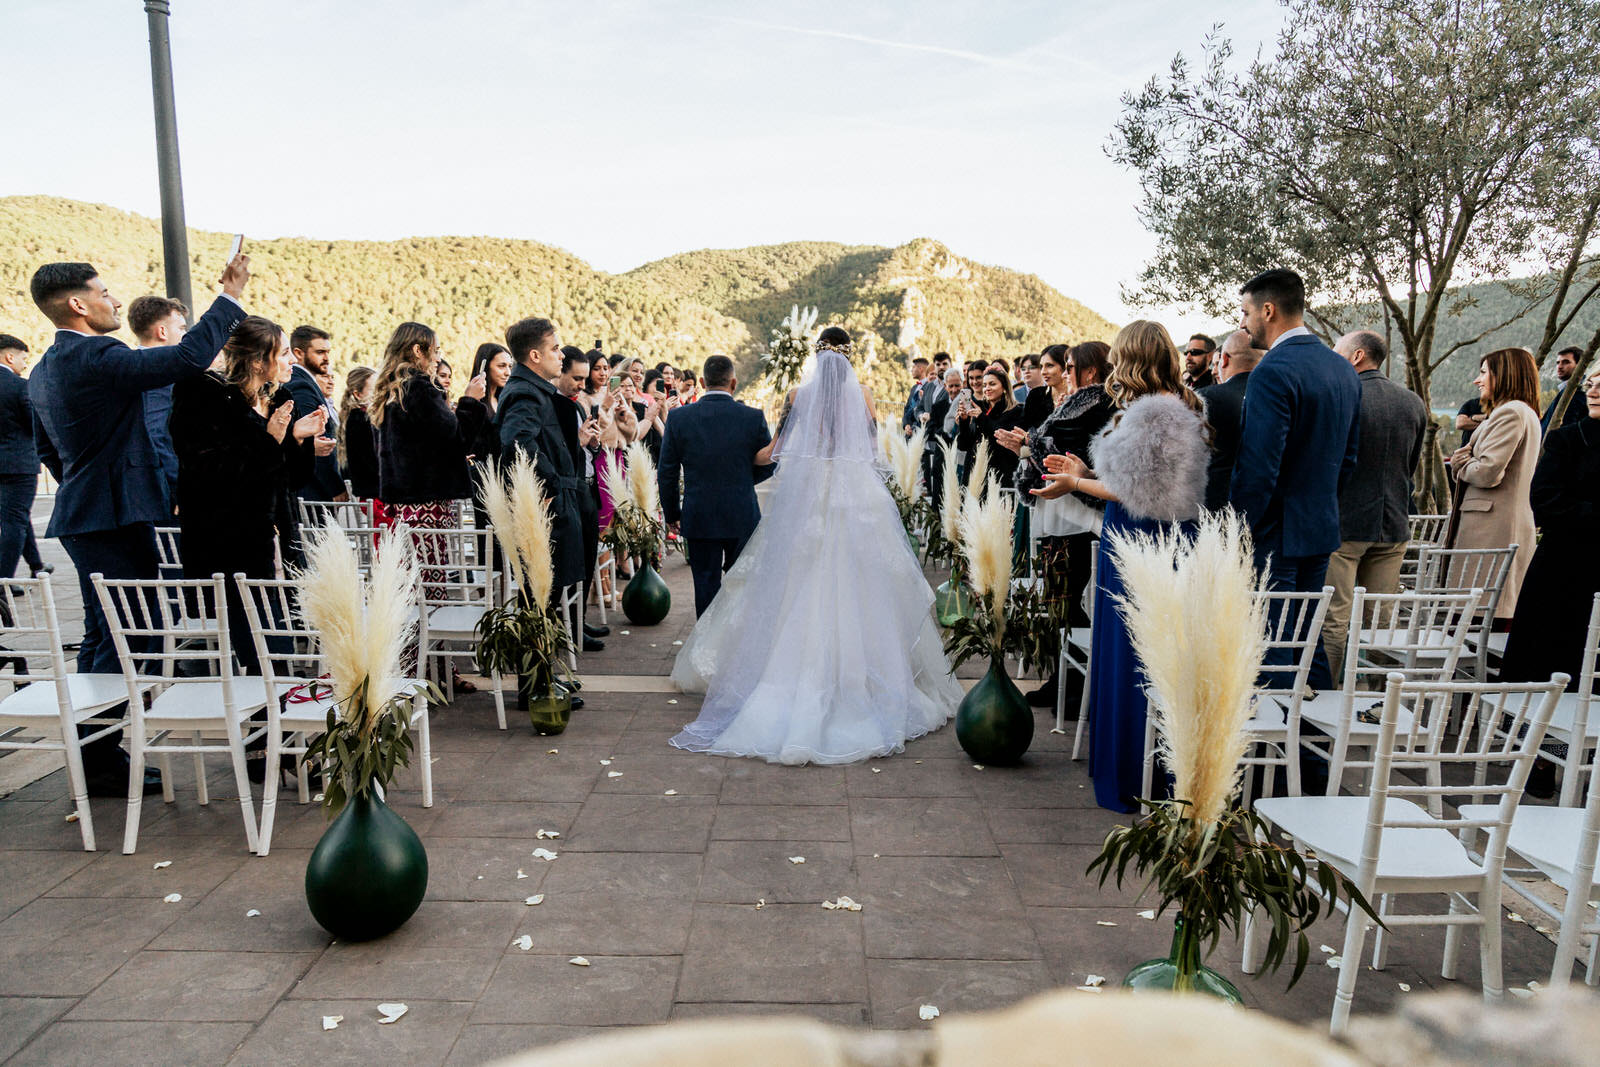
829 346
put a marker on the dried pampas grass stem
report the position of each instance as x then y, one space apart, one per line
954 494
642 488
1195 617
986 544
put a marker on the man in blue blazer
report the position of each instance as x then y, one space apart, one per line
312 347
1302 417
710 449
89 426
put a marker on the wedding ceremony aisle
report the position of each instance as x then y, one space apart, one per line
692 885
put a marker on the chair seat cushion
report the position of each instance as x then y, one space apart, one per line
199 700
89 694
451 620
1326 710
1566 713
1334 827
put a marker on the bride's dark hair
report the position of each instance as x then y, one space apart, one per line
833 335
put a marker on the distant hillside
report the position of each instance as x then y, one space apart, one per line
469 288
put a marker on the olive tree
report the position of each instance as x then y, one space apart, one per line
1385 150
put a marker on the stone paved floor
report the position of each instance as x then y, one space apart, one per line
972 883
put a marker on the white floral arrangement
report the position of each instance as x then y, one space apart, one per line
786 359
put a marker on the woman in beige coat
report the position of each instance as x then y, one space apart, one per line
1495 471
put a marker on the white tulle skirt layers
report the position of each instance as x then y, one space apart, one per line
821 646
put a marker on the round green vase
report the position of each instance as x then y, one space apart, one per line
551 712
952 603
646 599
1181 971
994 722
368 873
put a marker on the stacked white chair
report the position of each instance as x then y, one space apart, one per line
351 513
1294 627
1459 570
1421 635
293 665
1426 531
457 583
169 564
46 704
204 709
1405 838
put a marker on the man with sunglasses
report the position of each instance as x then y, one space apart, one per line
1197 362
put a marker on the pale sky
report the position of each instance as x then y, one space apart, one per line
620 131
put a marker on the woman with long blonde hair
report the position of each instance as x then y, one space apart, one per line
1150 469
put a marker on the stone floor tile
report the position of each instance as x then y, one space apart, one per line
274 886
293 1034
943 908
642 874
749 781
1051 826
66 947
919 826
482 1043
642 824
26 875
780 822
22 1017
1055 875
899 776
517 775
791 953
463 868
520 821
900 987
654 772
199 987
612 990
1075 947
743 872
94 1044
195 869
447 951
28 824
593 922
833 1014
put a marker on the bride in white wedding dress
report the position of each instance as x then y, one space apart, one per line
821 646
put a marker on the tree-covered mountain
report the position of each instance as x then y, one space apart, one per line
470 288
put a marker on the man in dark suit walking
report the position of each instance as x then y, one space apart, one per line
312 347
710 452
527 418
1302 420
89 426
1225 413
19 460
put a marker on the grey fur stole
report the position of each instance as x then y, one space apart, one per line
1154 459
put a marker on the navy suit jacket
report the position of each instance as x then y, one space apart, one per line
1302 420
157 414
89 423
17 454
1225 413
326 481
711 447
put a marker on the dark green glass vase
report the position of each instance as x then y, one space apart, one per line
952 603
646 598
1181 971
994 722
368 873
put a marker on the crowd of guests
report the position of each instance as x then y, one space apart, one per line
1317 449
219 426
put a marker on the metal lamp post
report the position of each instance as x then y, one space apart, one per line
174 233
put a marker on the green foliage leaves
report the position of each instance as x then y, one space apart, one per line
352 760
521 640
1218 876
633 533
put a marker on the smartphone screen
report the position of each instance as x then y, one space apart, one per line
616 381
238 244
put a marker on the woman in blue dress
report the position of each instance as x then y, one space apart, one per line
1150 468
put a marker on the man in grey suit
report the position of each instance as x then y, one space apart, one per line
1375 504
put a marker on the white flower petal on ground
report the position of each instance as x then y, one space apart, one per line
1405 987
391 1012
72 816
670 793
521 873
672 702
1148 913
525 943
1095 980
1053 730
877 770
172 898
551 751
1514 917
316 798
252 913
1104 922
162 864
1329 949
542 834
927 1012
677 643
842 904
613 774
331 1022
605 763
1335 962
977 766
761 903
797 859
578 961
537 898
543 854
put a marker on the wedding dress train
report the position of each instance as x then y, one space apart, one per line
821 645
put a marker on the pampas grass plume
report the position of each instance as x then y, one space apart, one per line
642 487
905 461
986 543
978 473
1197 623
497 506
391 596
954 494
526 532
